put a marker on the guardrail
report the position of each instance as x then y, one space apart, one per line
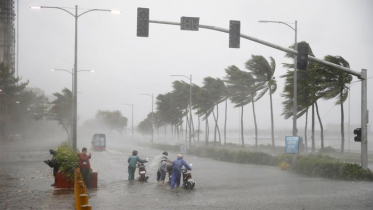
81 198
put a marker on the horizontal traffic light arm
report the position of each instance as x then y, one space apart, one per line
284 49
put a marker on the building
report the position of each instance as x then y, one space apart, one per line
7 33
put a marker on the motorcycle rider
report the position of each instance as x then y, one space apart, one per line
132 160
176 170
161 174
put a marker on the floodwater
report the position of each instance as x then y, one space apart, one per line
25 184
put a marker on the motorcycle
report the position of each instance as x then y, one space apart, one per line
188 182
142 172
169 171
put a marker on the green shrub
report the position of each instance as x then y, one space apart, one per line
68 161
316 165
328 167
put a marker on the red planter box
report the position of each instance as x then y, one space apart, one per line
64 183
94 178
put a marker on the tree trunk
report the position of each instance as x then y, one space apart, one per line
242 138
305 132
321 126
272 126
225 123
165 131
68 134
206 131
193 134
313 128
199 128
186 131
342 126
172 131
256 127
213 113
216 128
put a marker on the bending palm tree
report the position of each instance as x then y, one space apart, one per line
263 73
335 86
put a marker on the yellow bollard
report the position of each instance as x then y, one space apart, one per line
86 207
83 199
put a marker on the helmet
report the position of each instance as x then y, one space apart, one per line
165 153
180 155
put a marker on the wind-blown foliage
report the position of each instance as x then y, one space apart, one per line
61 110
18 106
145 126
241 89
263 73
114 120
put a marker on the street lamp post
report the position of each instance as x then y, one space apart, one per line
295 105
152 96
190 105
132 118
76 16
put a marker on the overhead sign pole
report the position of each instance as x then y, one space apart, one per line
362 76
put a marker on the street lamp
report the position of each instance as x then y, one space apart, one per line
76 16
144 94
190 105
295 130
72 75
132 118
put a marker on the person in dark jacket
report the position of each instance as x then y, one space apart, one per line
176 170
85 167
132 161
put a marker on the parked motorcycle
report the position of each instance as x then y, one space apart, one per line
188 182
142 172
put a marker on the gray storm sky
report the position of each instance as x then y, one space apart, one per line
127 65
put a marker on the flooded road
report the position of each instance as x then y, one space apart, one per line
25 184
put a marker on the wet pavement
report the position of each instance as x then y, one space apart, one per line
220 185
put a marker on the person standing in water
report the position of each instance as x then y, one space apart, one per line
132 161
161 174
176 170
85 167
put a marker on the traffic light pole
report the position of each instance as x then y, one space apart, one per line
364 120
362 76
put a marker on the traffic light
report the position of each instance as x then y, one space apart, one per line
302 57
357 132
142 22
189 23
234 33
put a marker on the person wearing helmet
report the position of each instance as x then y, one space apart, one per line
176 170
161 174
132 160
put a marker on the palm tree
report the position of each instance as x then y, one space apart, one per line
169 111
263 73
204 106
308 92
240 87
335 86
216 89
61 110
